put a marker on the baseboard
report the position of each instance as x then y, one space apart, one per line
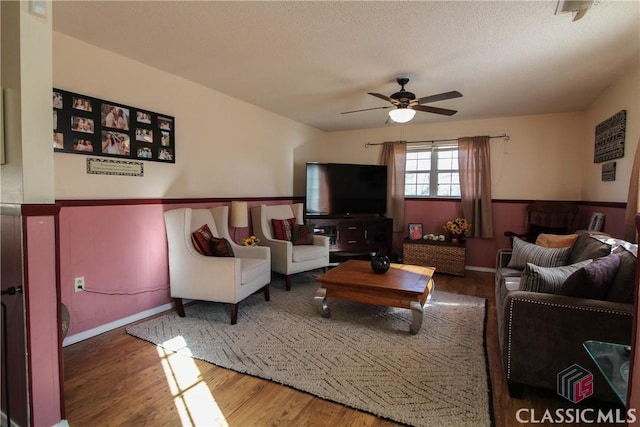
72 339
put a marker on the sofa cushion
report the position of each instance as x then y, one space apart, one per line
302 234
282 228
525 252
220 247
587 246
556 240
200 239
547 279
622 287
593 280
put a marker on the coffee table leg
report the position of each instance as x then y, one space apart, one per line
416 312
320 299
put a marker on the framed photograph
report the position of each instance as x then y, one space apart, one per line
597 222
82 104
415 231
81 124
165 123
114 116
144 135
85 125
115 143
143 117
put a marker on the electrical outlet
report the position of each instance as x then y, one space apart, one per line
78 284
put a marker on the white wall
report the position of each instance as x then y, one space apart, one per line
538 162
624 94
224 147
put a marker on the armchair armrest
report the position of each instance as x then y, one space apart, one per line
320 240
543 335
261 252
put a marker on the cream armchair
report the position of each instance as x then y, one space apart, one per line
207 278
287 258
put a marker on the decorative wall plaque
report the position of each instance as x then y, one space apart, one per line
610 138
115 167
609 171
86 125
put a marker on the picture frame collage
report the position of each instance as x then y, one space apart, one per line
92 126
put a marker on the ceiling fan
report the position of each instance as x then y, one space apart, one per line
406 104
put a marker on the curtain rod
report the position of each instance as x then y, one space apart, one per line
504 135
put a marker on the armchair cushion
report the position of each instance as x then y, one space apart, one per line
302 234
220 247
593 280
525 252
547 279
201 240
283 228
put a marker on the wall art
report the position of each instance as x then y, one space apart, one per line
610 138
609 171
86 125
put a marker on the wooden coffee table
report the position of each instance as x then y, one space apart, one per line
403 286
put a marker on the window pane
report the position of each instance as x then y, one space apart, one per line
424 164
412 164
423 190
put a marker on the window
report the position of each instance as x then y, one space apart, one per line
432 171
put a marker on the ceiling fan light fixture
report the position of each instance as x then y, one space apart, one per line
402 115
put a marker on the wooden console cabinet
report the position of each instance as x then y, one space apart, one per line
446 257
355 237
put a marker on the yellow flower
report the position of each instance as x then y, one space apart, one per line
250 241
457 226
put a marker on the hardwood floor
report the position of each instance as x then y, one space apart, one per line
117 380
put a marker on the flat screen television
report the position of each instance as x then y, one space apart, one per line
346 189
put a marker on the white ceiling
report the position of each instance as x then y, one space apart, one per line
310 61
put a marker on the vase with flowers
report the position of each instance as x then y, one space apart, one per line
457 229
250 241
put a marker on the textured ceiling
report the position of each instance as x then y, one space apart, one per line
310 61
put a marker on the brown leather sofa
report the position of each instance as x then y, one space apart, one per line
541 334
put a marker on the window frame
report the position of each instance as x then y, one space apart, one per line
433 171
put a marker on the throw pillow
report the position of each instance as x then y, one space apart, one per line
556 240
302 234
200 239
220 247
282 228
547 279
593 280
525 252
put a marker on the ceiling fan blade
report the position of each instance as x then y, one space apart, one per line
435 110
385 97
368 109
440 97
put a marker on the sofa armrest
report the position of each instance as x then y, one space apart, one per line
544 333
320 240
503 256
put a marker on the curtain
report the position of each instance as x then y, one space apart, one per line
475 184
394 155
633 199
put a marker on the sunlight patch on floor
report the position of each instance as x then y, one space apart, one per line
192 396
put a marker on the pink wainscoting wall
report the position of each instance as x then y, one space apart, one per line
40 285
507 216
121 250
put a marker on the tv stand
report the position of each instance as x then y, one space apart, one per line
354 236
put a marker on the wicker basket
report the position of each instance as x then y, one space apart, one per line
445 257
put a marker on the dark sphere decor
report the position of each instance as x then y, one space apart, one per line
380 263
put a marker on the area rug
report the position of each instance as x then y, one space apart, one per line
362 357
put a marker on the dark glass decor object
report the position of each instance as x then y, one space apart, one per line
380 263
